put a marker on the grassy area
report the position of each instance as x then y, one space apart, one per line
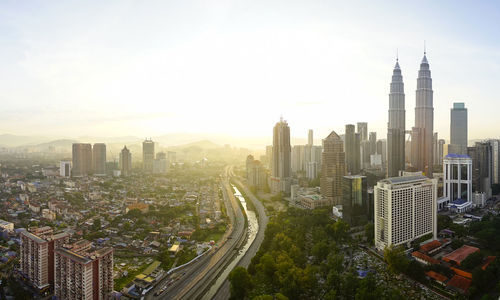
123 281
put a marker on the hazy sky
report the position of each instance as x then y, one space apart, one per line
145 68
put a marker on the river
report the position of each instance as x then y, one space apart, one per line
253 228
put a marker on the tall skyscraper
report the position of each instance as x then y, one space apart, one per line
125 161
362 130
495 154
148 155
424 120
82 160
333 168
281 158
405 209
482 163
373 142
37 255
396 126
65 168
457 171
99 159
352 149
355 200
310 140
458 129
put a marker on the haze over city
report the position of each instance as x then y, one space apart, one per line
225 68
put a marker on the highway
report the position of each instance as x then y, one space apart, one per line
224 291
193 280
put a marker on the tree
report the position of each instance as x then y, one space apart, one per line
370 233
444 222
396 259
241 283
472 261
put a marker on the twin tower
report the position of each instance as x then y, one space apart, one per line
421 134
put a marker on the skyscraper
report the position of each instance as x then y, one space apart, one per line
482 165
310 140
281 160
125 161
148 155
458 129
405 209
362 130
352 149
82 160
333 168
65 168
424 120
99 159
396 125
355 200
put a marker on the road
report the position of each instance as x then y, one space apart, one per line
224 291
193 280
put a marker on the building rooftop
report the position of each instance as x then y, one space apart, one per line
404 179
74 256
427 258
459 282
430 246
454 155
436 276
460 254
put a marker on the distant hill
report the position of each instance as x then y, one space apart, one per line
10 140
205 144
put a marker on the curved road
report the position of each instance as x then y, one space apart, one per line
224 291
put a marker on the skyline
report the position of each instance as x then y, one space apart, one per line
159 70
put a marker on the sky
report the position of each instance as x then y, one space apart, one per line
146 68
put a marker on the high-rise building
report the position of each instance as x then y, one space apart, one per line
99 159
458 129
256 174
37 255
382 150
482 162
82 160
82 273
362 129
424 121
355 199
171 157
441 143
148 155
352 149
333 168
65 168
310 139
160 164
396 126
125 161
405 210
457 170
495 155
365 152
281 158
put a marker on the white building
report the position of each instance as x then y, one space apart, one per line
457 188
4 225
405 209
65 168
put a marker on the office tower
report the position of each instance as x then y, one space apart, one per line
333 168
312 170
99 159
83 273
457 169
481 155
298 158
37 255
160 164
171 157
405 210
382 150
373 142
362 129
256 174
148 155
441 143
458 129
435 149
352 150
310 140
281 158
365 151
355 200
269 155
125 161
65 168
424 121
495 155
396 126
82 160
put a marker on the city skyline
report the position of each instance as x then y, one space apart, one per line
112 74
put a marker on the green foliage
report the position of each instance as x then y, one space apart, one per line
241 283
456 243
472 261
396 259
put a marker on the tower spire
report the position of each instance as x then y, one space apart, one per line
425 49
